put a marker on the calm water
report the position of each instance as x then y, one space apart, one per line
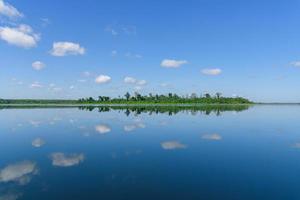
146 153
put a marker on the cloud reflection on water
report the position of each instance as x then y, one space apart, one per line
66 160
172 145
19 172
102 128
213 136
38 142
10 196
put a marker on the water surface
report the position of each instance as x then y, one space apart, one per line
150 153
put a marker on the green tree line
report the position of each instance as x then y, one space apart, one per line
168 98
137 98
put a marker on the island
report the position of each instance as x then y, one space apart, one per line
135 99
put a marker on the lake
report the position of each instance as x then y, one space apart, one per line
212 152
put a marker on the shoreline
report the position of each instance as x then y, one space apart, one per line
123 105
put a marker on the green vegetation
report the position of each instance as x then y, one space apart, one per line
137 98
170 109
170 98
137 109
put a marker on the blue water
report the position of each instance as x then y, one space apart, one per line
70 153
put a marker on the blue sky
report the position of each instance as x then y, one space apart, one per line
74 49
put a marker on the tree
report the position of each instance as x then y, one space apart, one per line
91 99
207 96
218 95
137 96
193 96
127 96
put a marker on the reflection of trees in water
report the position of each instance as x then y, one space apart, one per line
169 110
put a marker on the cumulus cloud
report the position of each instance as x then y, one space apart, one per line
22 36
102 79
36 85
19 172
131 80
9 11
67 48
66 160
172 145
141 82
38 65
211 72
38 142
212 137
169 63
102 129
295 63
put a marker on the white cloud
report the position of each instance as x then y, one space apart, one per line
131 80
38 65
169 63
66 48
38 142
18 172
36 85
212 72
8 10
102 79
212 137
141 82
71 87
295 63
66 160
172 145
22 36
102 129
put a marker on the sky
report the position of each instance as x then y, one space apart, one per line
73 49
